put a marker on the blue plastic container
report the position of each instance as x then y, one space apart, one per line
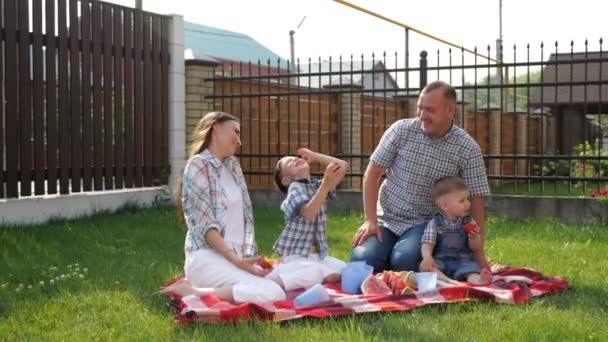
313 296
353 275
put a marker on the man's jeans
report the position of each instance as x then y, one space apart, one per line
398 253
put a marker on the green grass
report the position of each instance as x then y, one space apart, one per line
128 255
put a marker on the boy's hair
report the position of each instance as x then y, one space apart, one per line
446 185
277 176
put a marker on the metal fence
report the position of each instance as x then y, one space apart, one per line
540 120
84 93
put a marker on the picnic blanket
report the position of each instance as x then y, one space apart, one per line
509 285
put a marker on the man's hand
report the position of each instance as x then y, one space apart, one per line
428 265
367 229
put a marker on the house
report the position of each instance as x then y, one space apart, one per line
584 91
232 50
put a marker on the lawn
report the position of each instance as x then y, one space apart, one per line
116 262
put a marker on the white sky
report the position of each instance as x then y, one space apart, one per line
331 29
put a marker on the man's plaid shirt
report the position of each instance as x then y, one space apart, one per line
413 162
299 235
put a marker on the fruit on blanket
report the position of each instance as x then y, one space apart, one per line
373 285
396 281
265 263
469 227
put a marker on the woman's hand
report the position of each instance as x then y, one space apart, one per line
251 265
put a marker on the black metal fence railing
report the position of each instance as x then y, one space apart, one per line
541 120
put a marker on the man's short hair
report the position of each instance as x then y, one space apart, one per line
449 93
446 185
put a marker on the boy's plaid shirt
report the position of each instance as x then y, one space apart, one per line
205 202
299 235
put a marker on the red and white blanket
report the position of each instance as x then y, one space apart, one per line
509 286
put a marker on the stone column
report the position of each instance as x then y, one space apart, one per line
349 137
176 99
197 91
521 143
459 116
494 141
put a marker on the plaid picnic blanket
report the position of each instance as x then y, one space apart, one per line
509 285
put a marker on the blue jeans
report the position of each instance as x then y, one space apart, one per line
399 253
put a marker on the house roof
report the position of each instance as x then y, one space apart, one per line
571 68
203 41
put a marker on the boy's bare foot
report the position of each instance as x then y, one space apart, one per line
332 278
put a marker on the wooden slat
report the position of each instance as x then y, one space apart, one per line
87 119
25 106
98 150
139 98
128 108
12 137
118 98
39 145
165 97
64 100
51 99
75 108
148 102
157 109
108 121
2 51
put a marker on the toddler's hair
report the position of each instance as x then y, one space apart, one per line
446 185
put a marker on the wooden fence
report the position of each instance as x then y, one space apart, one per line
85 88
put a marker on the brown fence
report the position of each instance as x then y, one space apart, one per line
84 86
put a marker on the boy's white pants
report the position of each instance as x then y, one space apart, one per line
208 268
297 271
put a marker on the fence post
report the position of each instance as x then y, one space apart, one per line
423 68
177 117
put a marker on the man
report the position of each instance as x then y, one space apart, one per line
413 153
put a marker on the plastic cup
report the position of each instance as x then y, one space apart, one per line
313 296
426 281
353 275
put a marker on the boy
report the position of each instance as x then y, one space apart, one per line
303 243
450 239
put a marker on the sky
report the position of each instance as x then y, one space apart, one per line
332 29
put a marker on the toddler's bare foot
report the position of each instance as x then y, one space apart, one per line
485 277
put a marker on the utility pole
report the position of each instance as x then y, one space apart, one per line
292 43
139 5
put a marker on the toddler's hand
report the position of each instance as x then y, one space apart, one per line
333 175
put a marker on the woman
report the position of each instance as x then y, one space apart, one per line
220 242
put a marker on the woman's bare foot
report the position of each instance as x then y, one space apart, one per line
181 287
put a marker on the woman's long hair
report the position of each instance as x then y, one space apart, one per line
201 139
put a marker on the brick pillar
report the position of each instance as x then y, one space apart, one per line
349 123
197 105
459 115
521 143
494 141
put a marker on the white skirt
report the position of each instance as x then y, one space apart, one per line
207 268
